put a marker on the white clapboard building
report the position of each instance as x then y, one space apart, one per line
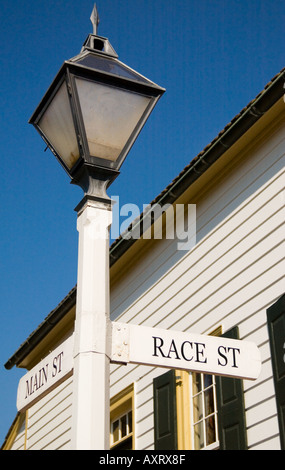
226 279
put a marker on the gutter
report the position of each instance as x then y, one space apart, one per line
273 91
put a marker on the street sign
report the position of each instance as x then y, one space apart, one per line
45 375
187 351
157 347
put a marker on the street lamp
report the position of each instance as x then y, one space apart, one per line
93 112
89 118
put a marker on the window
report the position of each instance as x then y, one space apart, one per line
204 411
122 432
199 411
121 424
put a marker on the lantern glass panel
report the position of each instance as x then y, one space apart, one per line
110 116
58 127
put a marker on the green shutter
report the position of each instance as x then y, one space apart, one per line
165 419
230 404
276 328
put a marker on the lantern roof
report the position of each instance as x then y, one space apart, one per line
98 55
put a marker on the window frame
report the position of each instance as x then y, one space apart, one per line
213 445
120 405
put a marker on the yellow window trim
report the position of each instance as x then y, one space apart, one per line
120 404
183 410
14 431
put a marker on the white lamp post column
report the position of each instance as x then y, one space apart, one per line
91 401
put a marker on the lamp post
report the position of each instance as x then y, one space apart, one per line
89 118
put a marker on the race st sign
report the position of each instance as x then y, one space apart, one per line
186 351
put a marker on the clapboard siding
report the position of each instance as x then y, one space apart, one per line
232 275
153 267
249 175
262 432
19 442
49 421
232 242
187 299
273 443
208 212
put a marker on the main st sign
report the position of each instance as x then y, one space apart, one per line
149 346
46 375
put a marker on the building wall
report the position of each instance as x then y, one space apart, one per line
232 275
48 422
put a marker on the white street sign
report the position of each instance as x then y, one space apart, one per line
149 346
45 375
187 351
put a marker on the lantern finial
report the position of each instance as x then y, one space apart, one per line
95 19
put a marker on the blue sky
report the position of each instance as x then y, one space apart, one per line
212 56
